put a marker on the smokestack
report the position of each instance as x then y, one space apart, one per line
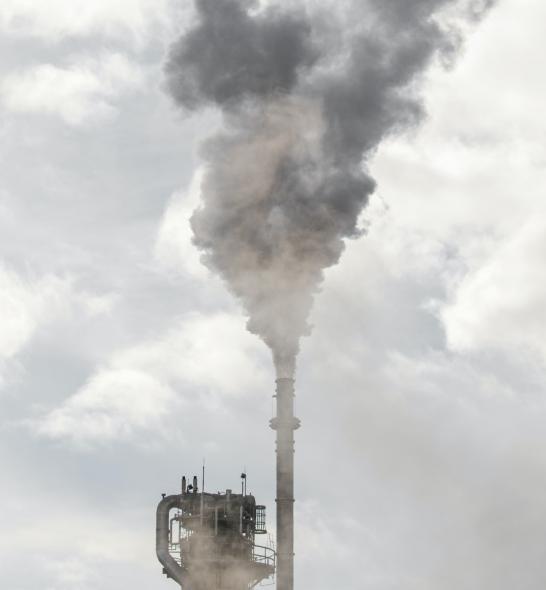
285 423
308 91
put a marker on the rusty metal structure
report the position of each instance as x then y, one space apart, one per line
285 423
206 541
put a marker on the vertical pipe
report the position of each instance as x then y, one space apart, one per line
202 508
285 423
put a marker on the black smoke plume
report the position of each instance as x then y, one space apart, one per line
308 92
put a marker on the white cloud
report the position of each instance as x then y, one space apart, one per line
57 19
96 305
468 185
174 250
24 305
477 164
113 405
135 393
502 302
401 249
206 351
84 90
80 536
28 303
75 549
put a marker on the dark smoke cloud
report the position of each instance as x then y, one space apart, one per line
308 95
230 55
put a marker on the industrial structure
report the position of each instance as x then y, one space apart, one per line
206 541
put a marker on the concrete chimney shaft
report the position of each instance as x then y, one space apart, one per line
285 423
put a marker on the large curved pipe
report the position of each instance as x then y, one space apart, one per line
171 568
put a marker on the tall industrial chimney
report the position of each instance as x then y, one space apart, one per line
285 423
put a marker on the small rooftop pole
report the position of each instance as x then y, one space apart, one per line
202 491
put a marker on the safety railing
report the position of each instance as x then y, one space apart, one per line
263 555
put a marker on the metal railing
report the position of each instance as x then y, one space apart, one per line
264 555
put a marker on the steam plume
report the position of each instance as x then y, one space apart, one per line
307 96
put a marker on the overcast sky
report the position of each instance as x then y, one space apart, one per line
421 461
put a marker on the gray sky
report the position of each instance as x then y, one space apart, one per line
421 463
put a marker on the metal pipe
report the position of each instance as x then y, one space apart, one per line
170 567
285 423
202 506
